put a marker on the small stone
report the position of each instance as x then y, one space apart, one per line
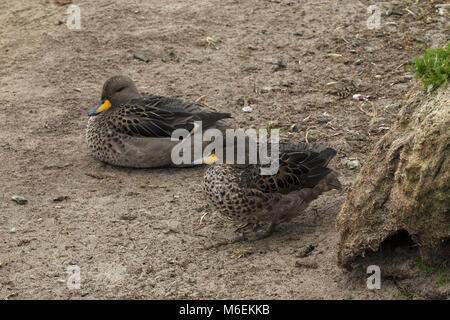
351 164
336 55
77 90
281 64
358 62
325 118
13 230
61 198
420 40
293 128
370 49
247 109
306 251
265 90
19 200
141 57
128 217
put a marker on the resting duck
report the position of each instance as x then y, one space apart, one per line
241 193
130 130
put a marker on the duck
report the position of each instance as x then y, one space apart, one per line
128 129
240 193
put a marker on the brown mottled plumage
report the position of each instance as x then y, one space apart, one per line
136 130
241 193
343 89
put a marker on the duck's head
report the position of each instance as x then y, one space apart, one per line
116 91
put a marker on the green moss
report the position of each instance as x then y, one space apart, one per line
433 68
443 280
425 267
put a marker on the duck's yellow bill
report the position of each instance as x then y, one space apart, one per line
206 160
104 105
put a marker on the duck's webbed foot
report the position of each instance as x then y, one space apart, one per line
254 231
265 233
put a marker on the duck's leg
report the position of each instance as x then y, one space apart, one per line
242 227
267 232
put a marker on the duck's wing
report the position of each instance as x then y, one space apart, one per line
299 167
173 104
159 117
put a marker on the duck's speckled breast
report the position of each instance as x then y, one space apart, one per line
107 145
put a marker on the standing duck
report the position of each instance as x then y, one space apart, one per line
130 130
241 193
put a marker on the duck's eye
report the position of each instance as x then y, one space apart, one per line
120 89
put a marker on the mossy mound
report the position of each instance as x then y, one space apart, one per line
404 183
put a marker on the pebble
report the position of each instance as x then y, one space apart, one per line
281 64
13 230
352 164
247 109
61 198
19 200
324 118
358 62
306 251
420 40
294 127
362 97
141 57
265 89
77 90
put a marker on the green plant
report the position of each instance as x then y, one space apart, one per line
403 293
433 68
443 280
425 267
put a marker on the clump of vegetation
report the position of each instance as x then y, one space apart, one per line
425 267
443 280
433 68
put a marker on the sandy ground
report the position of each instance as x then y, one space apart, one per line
134 242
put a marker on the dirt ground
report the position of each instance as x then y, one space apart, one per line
134 242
